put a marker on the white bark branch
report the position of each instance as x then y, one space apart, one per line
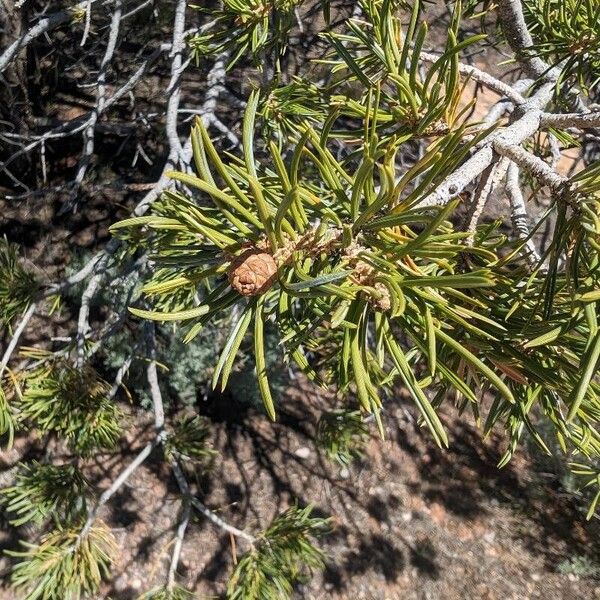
42 26
116 485
23 321
534 164
515 29
89 131
563 121
523 128
518 213
487 186
186 511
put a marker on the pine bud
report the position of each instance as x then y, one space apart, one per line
253 272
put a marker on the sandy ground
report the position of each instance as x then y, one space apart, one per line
411 521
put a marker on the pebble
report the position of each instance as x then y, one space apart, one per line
120 583
489 536
302 452
345 473
136 584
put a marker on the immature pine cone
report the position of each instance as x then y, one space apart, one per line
252 272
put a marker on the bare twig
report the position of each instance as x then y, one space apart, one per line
515 29
488 184
157 403
206 512
42 26
116 485
88 134
518 214
484 78
186 511
83 325
88 22
79 124
152 377
23 321
174 89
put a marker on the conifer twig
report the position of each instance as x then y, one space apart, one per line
117 483
14 340
180 535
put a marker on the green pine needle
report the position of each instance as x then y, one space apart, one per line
62 567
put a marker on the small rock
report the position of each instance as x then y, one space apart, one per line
120 583
345 473
489 536
536 577
302 452
406 516
136 584
437 513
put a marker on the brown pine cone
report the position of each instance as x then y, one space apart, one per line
253 272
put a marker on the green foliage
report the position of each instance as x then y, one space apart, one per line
279 558
41 491
365 285
342 435
242 27
74 403
317 247
285 107
18 286
178 222
375 49
64 567
567 32
589 474
581 566
164 593
7 419
188 441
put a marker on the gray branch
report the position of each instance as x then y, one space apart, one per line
534 164
482 77
587 120
518 37
42 26
518 213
